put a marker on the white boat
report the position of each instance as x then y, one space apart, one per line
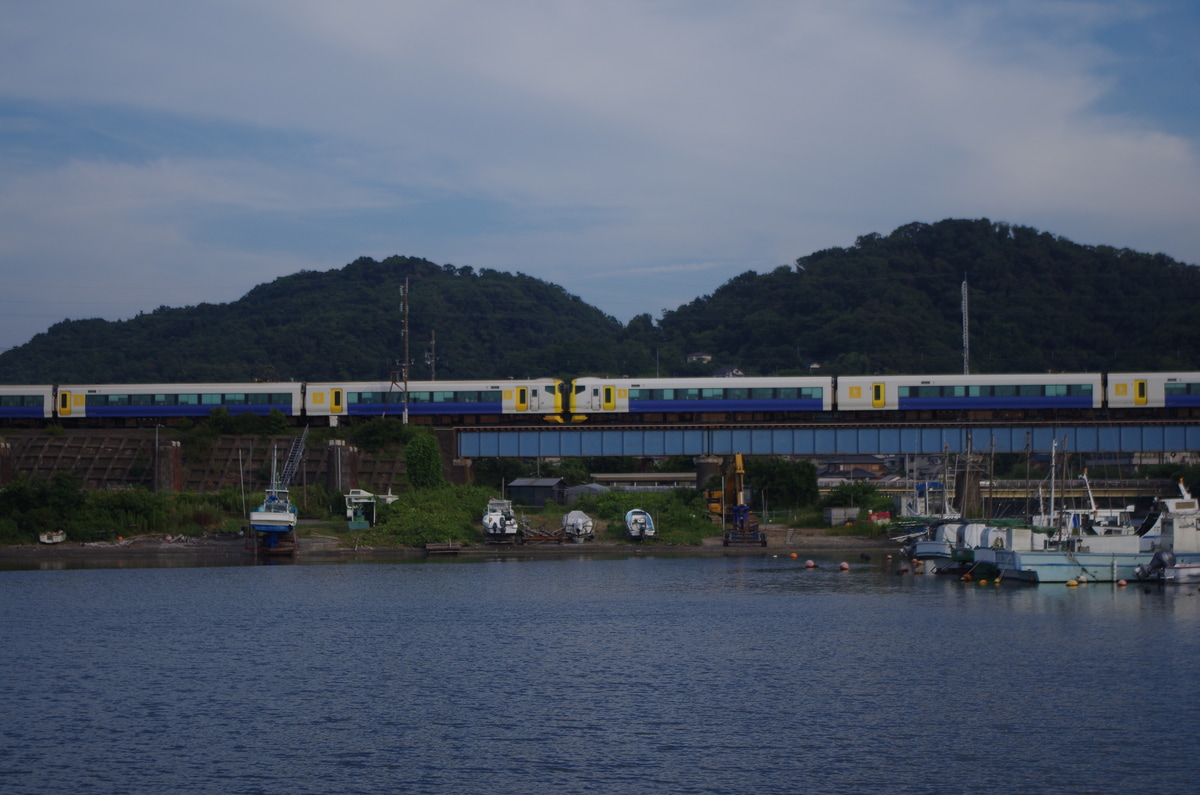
500 526
638 525
53 537
274 523
1168 538
578 526
1181 573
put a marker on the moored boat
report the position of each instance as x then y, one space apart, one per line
578 526
274 524
500 526
638 525
53 537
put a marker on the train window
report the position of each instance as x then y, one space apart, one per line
163 400
1030 390
443 397
1182 389
1056 390
765 393
812 392
419 397
235 399
903 391
491 396
687 394
929 391
258 398
957 391
1079 390
712 394
737 393
638 394
140 400
188 400
1005 390
209 399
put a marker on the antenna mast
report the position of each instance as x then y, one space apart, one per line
966 337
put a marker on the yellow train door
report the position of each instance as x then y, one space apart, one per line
336 406
64 404
1139 393
878 399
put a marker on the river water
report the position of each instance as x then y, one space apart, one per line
619 674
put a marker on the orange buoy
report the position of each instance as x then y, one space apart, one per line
794 555
1072 583
1121 583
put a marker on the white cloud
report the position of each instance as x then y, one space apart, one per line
669 146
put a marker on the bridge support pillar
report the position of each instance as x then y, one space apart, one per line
342 466
168 467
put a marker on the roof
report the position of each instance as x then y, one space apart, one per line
545 483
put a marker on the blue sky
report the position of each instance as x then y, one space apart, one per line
639 153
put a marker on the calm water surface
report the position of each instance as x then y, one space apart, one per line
618 675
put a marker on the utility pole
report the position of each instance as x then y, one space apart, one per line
431 356
966 342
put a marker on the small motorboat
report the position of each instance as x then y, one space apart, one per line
578 527
500 526
638 525
54 537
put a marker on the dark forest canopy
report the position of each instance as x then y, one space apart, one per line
888 304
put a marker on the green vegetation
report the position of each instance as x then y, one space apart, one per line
888 304
679 515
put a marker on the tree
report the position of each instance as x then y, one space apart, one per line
423 463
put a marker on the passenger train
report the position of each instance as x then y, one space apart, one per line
623 400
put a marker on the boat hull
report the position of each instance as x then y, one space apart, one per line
1061 567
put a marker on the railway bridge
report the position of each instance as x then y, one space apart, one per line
823 439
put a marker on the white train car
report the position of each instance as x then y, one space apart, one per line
968 392
335 401
1153 390
26 402
163 401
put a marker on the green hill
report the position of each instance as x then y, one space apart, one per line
886 304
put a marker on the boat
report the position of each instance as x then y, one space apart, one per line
273 524
53 537
1168 538
500 526
638 525
579 527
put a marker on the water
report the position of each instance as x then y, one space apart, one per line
575 675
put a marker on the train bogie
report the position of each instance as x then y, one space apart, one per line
26 402
969 392
165 401
432 399
701 395
1153 390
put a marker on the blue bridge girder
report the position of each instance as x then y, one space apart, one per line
819 440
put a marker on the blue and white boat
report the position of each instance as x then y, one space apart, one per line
638 525
274 524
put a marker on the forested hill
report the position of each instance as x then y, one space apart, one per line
887 304
342 324
892 303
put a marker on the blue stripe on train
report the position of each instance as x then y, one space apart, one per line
1041 402
395 409
262 409
797 404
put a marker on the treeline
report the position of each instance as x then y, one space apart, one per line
1037 302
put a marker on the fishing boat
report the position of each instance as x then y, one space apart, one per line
1169 538
638 525
273 524
500 526
53 537
578 526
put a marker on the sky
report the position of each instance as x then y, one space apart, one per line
640 153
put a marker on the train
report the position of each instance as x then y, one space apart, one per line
623 400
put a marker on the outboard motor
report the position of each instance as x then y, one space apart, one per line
1153 570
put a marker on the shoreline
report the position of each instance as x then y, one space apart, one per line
329 548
